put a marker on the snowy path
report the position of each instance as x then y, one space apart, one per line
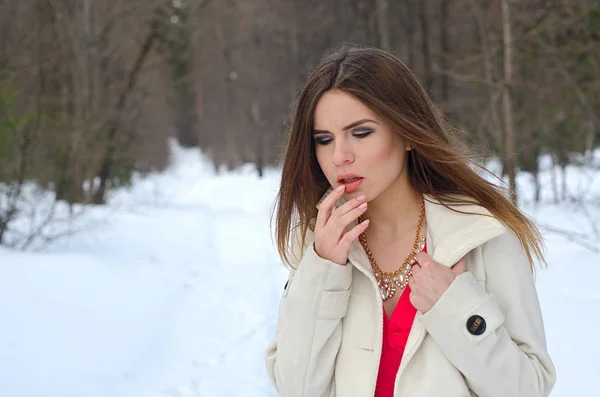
156 307
170 297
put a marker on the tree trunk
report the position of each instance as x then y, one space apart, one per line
425 45
488 67
259 154
186 117
108 157
177 42
410 35
507 101
445 48
563 169
590 143
554 179
382 24
294 48
538 187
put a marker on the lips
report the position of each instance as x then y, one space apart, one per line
351 181
348 178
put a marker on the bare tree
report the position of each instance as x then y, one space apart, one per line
445 48
509 127
382 24
492 86
222 74
425 44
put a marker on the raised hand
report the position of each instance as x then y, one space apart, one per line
332 242
430 280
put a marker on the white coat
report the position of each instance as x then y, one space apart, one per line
330 325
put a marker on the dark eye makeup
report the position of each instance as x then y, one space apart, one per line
362 132
358 133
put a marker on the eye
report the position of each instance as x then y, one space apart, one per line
362 133
322 140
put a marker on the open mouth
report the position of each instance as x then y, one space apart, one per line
349 180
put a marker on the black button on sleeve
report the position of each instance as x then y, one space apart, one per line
476 325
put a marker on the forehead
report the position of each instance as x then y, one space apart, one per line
336 109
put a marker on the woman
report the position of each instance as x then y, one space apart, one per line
410 274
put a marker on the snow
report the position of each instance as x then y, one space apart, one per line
172 289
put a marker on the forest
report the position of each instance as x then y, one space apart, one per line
92 91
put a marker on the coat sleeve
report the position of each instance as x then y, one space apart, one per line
301 358
509 358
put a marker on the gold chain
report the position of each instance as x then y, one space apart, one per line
390 282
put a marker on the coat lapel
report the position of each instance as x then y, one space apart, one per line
450 236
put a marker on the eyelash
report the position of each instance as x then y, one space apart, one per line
358 134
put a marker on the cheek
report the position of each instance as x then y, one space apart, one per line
386 166
399 158
395 155
388 159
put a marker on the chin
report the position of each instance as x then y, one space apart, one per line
356 193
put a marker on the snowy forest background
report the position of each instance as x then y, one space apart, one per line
139 149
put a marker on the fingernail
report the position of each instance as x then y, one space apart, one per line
363 206
361 197
340 188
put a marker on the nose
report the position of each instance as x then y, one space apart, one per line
342 153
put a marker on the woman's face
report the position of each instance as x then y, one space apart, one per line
352 141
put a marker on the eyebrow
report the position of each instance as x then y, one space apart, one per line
351 125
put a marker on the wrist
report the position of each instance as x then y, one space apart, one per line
330 260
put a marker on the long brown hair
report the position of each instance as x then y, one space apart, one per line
439 164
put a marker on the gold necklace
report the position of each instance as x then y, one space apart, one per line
390 282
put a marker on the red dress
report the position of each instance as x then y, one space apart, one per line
395 334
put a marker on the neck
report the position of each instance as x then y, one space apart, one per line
394 212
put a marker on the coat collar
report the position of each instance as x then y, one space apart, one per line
455 230
450 234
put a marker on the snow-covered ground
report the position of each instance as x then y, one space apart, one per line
172 290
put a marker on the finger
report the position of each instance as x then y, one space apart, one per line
350 205
460 267
341 222
326 206
425 260
353 234
416 268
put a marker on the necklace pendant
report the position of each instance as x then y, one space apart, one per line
401 279
385 292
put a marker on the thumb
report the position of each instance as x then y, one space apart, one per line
460 267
